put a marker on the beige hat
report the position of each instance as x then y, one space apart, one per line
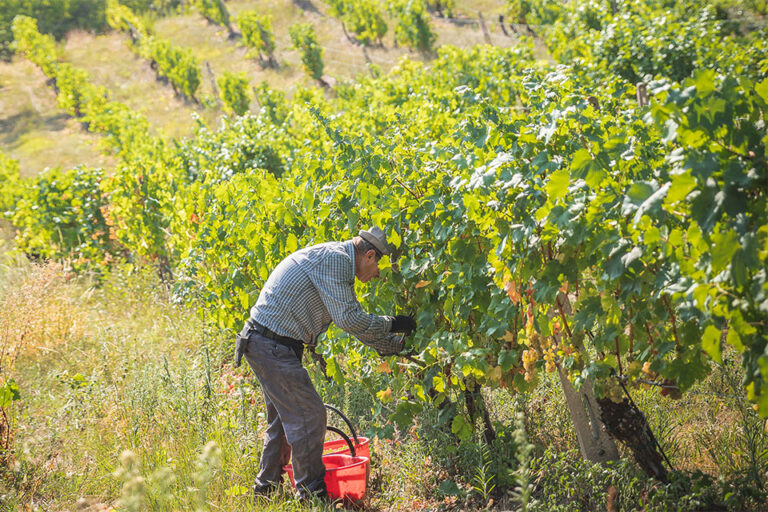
377 238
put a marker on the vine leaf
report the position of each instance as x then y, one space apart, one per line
710 342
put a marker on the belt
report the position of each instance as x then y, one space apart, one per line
296 345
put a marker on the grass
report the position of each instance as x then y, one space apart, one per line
32 128
129 79
130 400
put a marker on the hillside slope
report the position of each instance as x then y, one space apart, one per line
36 132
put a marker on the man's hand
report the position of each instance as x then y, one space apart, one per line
403 323
396 345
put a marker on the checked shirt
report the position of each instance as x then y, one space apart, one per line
312 288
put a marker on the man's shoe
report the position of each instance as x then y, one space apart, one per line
320 494
264 490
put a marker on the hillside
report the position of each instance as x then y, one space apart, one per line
38 134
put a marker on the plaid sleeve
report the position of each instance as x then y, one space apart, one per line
334 280
389 345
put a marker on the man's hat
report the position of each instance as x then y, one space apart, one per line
377 238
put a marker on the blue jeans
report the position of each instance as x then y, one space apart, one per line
296 416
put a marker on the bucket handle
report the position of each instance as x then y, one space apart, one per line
345 437
346 420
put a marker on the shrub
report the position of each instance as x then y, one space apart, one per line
73 88
444 7
214 11
9 183
535 12
413 28
365 19
60 214
565 483
257 33
234 92
79 98
55 17
177 64
273 103
304 40
37 47
121 17
337 8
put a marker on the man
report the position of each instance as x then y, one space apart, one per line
305 292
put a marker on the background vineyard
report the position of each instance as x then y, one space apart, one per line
599 214
109 61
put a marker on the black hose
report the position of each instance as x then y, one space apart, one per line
345 437
346 420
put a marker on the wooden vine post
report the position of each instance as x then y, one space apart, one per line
486 34
595 443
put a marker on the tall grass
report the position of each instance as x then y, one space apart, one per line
129 400
34 317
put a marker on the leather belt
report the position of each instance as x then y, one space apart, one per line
296 345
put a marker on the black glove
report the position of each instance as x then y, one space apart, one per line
403 323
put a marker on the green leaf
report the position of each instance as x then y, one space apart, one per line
583 166
639 191
631 256
405 413
682 185
291 243
614 267
507 360
739 265
652 203
581 160
742 326
333 370
763 405
449 488
9 392
734 340
595 176
438 384
710 342
705 82
558 184
461 427
672 127
236 490
723 249
762 90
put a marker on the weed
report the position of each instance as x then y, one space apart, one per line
523 474
206 466
133 484
484 481
35 315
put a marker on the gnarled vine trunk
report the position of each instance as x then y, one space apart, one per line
626 423
476 407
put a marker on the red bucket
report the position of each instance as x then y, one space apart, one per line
340 446
346 477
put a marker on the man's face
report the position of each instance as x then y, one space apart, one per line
367 267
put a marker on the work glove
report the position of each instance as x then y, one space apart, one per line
403 323
396 345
